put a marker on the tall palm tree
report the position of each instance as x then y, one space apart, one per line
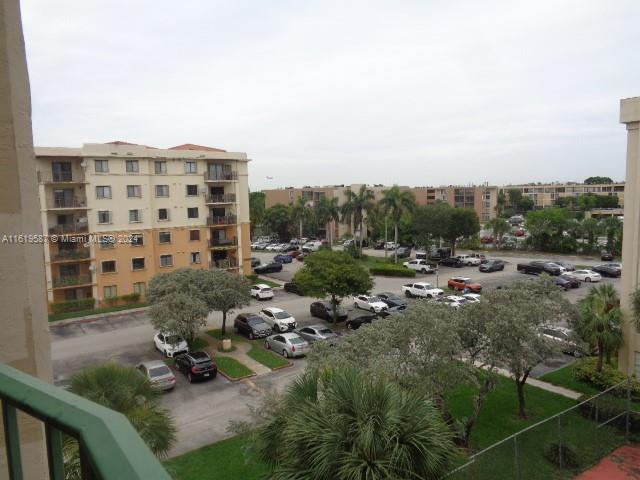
600 319
347 426
396 202
355 208
327 212
301 211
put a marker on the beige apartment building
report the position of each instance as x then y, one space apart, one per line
117 214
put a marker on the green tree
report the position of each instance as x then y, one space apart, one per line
463 223
395 203
327 211
226 291
600 319
498 227
612 227
501 202
179 313
546 228
515 197
301 212
591 228
256 210
124 390
277 219
597 180
334 274
355 207
343 425
430 223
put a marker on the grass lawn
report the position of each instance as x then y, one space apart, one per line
53 317
220 461
255 279
563 377
198 344
232 368
266 357
217 334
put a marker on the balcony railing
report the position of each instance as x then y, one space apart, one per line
71 280
61 177
68 228
226 220
229 176
223 242
220 198
68 203
224 263
76 254
110 447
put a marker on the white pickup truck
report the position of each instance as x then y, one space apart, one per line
421 290
469 260
422 266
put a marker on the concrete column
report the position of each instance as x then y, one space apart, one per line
24 343
630 116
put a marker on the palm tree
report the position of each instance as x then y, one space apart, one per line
591 228
501 202
600 319
355 208
301 212
612 227
124 390
347 426
396 202
326 212
498 227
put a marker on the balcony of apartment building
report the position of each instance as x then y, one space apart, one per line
70 252
221 217
222 242
67 224
220 172
223 260
71 275
66 199
62 172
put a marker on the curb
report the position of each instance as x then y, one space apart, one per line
98 316
236 379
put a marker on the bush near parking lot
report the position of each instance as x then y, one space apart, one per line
391 270
585 370
73 305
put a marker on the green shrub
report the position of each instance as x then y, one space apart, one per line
611 409
392 271
562 455
111 301
584 370
73 305
131 298
472 243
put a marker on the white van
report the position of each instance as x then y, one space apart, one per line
312 246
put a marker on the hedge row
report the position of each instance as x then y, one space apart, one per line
392 271
73 305
128 298
584 370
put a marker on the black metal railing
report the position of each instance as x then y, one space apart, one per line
71 280
224 220
68 228
61 177
224 263
69 203
75 254
220 198
228 176
223 242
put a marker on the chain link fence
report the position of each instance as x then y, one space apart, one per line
561 446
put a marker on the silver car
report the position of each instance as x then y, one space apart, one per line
315 333
160 376
288 344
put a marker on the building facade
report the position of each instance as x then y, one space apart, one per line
117 214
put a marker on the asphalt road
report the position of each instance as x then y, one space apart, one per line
202 411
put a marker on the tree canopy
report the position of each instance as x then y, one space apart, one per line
597 180
277 219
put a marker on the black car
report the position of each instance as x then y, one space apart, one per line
292 287
608 270
291 248
451 262
322 309
251 325
403 252
562 282
255 262
606 256
196 366
357 322
569 267
268 268
491 266
573 281
439 254
379 245
392 300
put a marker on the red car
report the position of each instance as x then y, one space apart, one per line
300 257
294 253
464 283
520 232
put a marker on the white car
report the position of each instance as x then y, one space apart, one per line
587 275
421 290
311 246
279 320
367 302
469 260
421 266
472 297
261 291
288 344
390 246
170 345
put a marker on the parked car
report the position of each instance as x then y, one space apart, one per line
568 267
573 281
322 309
421 290
283 258
291 248
390 246
453 301
403 252
160 376
312 246
261 291
269 268
538 267
564 337
278 319
480 256
294 253
422 255
464 283
300 257
472 297
422 266
255 262
557 265
368 302
606 256
451 262
261 246
393 301
252 325
587 275
493 265
317 333
170 345
469 260
379 245
562 282
608 270
288 344
292 287
197 366
357 321
438 254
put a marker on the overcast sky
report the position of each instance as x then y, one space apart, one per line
411 93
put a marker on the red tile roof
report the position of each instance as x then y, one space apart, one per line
191 146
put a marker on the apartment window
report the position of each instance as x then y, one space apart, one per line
139 288
137 263
192 190
104 217
160 167
194 235
195 257
132 166
134 191
101 166
192 212
110 291
162 190
164 237
166 260
137 239
103 191
109 266
190 167
135 216
163 214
